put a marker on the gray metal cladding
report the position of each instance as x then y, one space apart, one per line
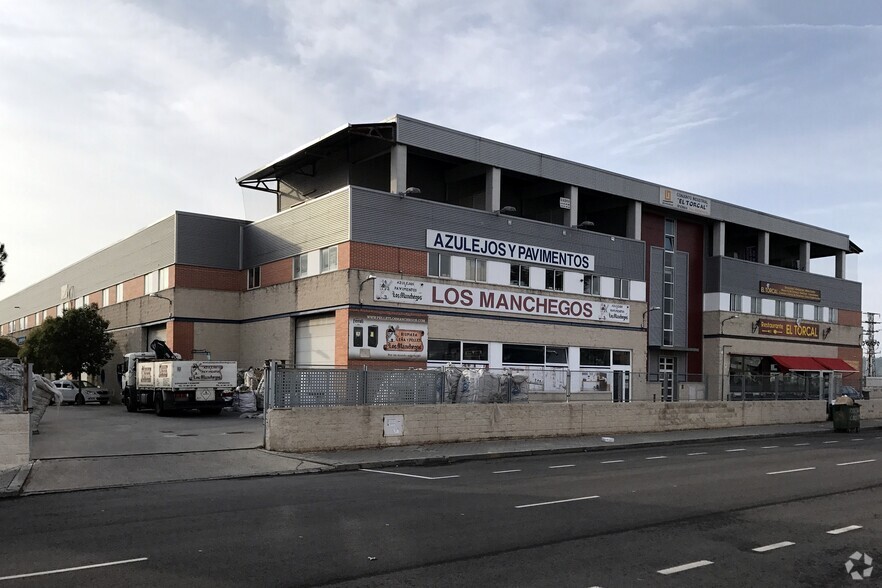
681 298
208 241
385 219
147 250
473 148
743 277
315 224
654 319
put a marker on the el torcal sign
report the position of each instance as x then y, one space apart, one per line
788 329
789 291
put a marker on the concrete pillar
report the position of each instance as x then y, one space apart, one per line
805 255
719 243
635 219
493 190
762 248
840 265
398 169
571 216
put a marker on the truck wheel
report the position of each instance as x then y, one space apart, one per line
158 406
131 402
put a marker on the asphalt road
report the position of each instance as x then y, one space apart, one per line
687 515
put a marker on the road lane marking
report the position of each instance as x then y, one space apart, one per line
658 457
734 450
506 471
789 471
856 462
857 439
557 501
698 453
828 442
408 475
614 461
801 444
684 567
842 530
569 465
76 569
771 447
773 546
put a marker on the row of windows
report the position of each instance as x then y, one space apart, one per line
519 275
470 352
327 262
783 309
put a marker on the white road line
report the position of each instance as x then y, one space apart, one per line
734 450
506 471
557 501
614 461
857 439
771 447
800 444
684 567
789 471
856 462
828 442
773 546
76 569
408 475
844 530
569 465
658 457
698 453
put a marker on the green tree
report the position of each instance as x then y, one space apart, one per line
76 342
8 348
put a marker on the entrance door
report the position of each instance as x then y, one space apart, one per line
621 386
666 374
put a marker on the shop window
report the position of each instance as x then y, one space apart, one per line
622 288
554 279
591 285
476 269
254 278
477 352
621 357
589 356
439 350
520 275
329 259
523 354
439 265
301 266
556 355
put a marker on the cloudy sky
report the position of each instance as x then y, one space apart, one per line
113 114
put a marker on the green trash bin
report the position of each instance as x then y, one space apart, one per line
847 417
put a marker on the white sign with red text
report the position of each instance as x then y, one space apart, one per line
427 293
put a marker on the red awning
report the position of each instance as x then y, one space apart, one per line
794 363
835 364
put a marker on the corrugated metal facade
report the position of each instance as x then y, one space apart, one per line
319 223
208 241
735 276
145 251
385 219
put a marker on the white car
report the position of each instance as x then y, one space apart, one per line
82 391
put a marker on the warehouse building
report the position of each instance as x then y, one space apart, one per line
403 244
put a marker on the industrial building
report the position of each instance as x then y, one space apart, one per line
403 244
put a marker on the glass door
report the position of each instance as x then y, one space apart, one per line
666 375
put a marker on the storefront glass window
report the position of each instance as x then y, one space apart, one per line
443 350
523 354
594 357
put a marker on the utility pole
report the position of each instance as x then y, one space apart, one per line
871 342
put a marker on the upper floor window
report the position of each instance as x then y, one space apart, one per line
151 283
554 279
520 275
105 297
254 278
591 285
329 259
670 234
164 278
439 265
622 288
301 266
476 269
780 308
735 302
756 305
119 293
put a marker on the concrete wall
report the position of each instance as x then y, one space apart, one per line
318 429
15 440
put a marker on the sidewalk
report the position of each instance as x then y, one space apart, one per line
86 473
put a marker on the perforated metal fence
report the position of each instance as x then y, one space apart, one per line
340 387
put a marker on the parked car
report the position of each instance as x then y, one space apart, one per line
82 391
849 391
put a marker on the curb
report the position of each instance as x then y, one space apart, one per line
15 487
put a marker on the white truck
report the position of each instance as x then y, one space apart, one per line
162 381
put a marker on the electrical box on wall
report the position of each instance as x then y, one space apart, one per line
393 425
